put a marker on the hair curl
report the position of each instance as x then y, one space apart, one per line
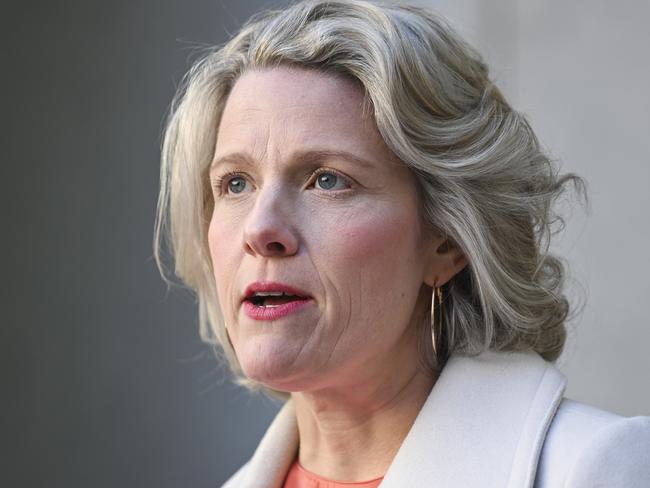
483 178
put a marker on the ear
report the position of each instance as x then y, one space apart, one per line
445 260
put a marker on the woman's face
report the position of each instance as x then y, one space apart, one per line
298 211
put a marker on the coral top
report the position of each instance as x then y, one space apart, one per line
299 477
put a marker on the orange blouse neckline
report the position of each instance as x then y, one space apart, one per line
299 477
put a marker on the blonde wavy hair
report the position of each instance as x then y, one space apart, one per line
483 179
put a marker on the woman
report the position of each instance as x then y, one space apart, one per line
366 222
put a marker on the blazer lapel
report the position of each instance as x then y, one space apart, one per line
276 451
482 425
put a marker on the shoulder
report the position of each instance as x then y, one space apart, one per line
586 446
236 479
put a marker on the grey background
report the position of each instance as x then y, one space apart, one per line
105 381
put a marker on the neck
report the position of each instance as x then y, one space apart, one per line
352 433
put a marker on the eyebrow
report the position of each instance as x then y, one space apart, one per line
314 155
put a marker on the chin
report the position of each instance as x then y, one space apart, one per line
274 366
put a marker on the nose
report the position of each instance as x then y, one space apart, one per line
269 228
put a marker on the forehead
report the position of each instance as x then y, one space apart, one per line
290 88
297 106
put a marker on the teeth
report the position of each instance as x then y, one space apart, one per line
270 294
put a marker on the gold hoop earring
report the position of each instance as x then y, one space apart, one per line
436 325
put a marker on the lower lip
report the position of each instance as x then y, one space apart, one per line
274 312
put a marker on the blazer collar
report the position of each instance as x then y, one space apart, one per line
482 425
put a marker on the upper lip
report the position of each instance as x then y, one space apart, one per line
272 286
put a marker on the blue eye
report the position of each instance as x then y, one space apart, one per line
236 184
230 183
329 179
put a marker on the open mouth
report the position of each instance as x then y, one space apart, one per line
274 301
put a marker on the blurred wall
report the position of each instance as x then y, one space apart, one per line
105 380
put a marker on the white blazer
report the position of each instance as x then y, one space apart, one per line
498 420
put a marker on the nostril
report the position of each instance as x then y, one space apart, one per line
275 246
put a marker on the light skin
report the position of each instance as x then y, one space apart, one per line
351 237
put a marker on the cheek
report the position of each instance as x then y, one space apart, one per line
221 245
224 238
213 236
375 266
215 240
376 235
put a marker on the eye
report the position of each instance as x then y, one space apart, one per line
230 183
236 184
328 180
